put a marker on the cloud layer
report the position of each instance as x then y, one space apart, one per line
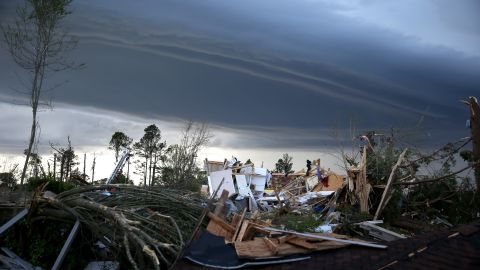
283 72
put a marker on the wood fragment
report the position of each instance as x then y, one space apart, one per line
272 246
219 227
301 243
322 237
389 183
238 225
242 231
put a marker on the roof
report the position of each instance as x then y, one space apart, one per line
457 248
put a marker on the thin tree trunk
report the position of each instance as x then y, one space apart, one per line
145 173
154 168
475 129
30 144
84 166
55 166
62 167
93 167
128 171
150 172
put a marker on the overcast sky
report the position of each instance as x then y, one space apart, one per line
268 76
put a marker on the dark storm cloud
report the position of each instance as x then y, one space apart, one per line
289 69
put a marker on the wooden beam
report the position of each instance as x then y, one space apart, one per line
66 246
220 222
272 246
13 220
321 237
301 243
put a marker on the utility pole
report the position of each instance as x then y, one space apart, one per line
475 130
84 165
93 167
55 166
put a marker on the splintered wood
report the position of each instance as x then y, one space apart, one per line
274 247
254 238
358 177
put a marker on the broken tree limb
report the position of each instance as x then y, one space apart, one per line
389 183
146 225
475 130
438 178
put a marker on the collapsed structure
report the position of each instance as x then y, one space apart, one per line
247 216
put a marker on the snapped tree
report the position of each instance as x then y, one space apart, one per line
38 44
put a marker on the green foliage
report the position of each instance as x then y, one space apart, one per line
191 182
284 164
40 243
122 179
456 203
8 179
118 142
306 222
53 186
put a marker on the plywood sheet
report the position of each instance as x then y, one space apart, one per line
215 179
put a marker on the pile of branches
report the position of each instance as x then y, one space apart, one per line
149 227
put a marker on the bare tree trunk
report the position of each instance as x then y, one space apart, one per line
62 167
154 168
475 129
55 166
128 170
93 167
145 172
33 132
84 165
150 172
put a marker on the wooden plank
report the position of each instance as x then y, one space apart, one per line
301 243
285 238
216 227
322 237
242 231
220 205
260 248
238 225
220 222
66 246
235 219
18 261
13 220
272 246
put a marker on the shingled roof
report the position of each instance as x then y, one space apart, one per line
458 248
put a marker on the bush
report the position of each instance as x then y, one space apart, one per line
53 185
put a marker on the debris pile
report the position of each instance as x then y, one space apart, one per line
246 216
147 228
252 216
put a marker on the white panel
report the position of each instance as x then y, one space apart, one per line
214 181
